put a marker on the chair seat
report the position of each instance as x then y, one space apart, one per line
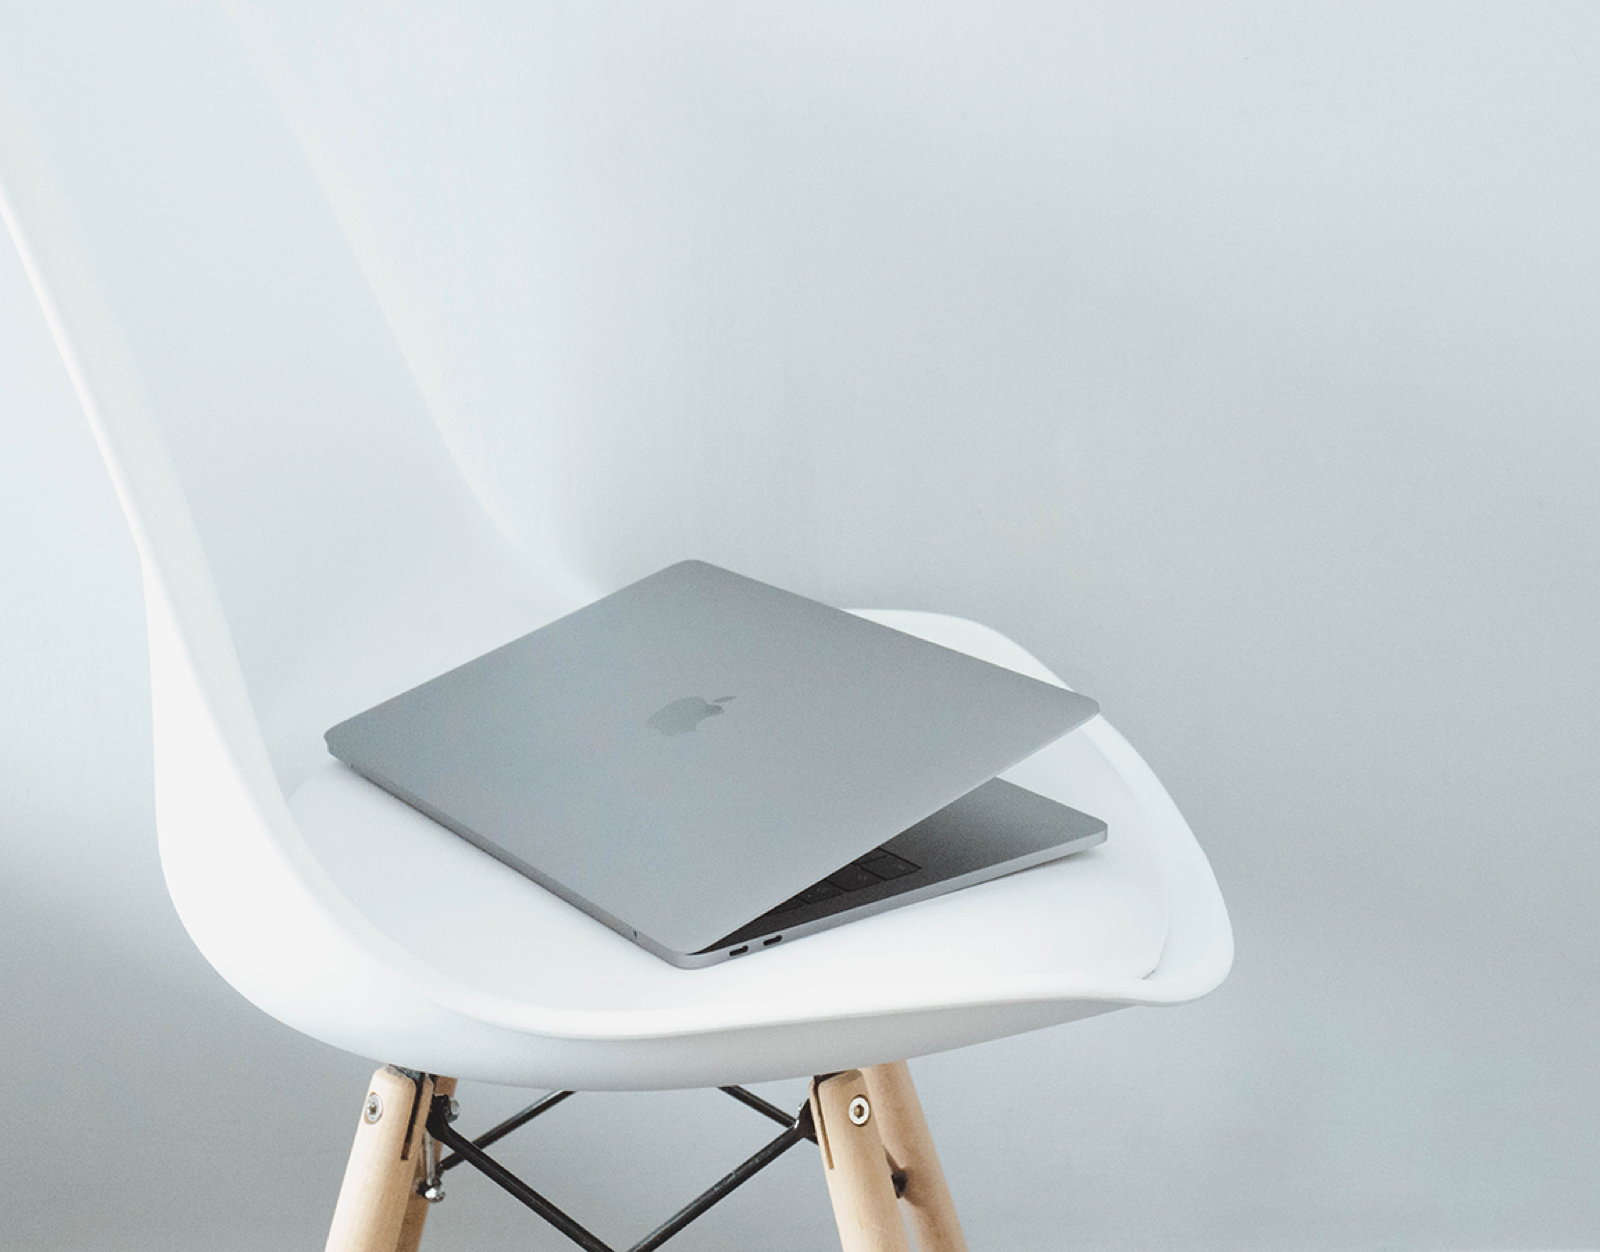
1049 944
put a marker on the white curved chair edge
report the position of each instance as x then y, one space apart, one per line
1198 952
257 902
263 880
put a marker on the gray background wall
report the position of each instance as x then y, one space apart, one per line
1240 361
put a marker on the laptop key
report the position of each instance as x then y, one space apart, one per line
853 878
887 865
818 892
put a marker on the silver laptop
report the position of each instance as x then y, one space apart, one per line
712 766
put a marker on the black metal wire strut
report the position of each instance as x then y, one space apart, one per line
720 1189
472 1152
496 1133
751 1100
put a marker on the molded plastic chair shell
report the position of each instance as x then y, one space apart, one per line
309 546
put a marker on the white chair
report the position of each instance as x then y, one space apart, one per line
309 547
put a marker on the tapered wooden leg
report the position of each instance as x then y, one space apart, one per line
417 1207
904 1131
853 1160
383 1164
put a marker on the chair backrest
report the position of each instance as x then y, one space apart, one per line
273 451
308 543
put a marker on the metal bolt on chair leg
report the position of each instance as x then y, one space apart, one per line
430 1189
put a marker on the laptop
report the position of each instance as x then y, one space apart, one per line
712 766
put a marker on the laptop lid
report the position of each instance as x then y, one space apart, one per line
683 755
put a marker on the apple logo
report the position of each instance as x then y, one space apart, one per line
682 716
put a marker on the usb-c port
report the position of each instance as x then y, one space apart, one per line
739 951
767 943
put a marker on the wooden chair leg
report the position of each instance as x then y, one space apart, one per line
378 1180
857 1170
904 1131
417 1207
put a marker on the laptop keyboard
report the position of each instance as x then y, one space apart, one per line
865 871
872 870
